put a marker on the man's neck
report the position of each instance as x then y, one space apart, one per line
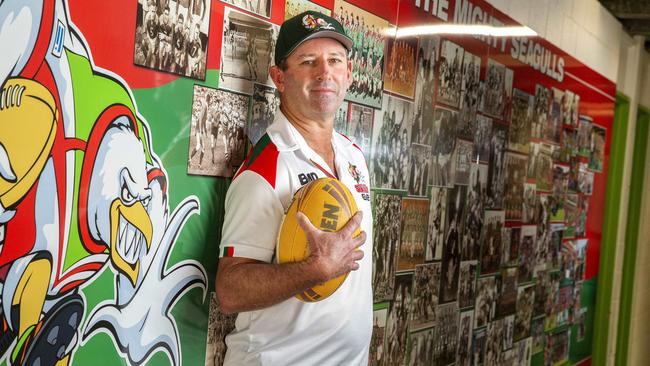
317 134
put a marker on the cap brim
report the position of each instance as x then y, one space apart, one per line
345 40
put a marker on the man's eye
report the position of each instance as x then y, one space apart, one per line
307 62
335 60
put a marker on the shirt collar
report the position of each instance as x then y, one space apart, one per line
286 137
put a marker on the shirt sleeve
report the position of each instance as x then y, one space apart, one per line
252 219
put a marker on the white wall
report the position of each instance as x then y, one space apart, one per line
582 28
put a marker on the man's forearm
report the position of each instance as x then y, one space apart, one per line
252 285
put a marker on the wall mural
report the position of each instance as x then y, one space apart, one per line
122 122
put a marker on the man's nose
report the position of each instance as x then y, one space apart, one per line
323 70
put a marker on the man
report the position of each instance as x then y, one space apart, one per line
180 37
312 74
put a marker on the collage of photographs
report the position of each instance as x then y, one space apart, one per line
480 191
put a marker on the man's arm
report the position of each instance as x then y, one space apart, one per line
244 284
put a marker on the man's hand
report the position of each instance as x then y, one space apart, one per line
332 254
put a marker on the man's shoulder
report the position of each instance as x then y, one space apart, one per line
263 160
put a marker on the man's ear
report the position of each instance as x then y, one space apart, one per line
277 76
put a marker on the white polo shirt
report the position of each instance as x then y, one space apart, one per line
334 331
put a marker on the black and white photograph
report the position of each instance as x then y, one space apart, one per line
387 213
419 172
295 7
467 284
540 165
497 166
520 127
491 241
437 220
172 36
571 107
377 350
397 322
493 342
414 233
425 295
470 89
425 89
560 180
510 238
465 325
266 102
597 148
463 159
525 300
529 203
360 127
513 201
259 7
498 89
507 292
451 249
474 215
482 135
540 111
217 125
247 51
341 118
445 334
368 32
420 348
486 301
524 351
478 346
554 125
508 331
569 145
450 73
219 326
391 143
401 66
444 140
527 253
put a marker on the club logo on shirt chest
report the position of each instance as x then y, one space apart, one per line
360 185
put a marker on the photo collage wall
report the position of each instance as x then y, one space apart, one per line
481 176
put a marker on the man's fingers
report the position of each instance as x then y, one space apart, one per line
352 225
304 223
360 239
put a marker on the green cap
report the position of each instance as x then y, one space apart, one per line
305 26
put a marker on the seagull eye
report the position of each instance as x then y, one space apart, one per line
126 195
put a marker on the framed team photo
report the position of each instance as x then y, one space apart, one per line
444 143
259 7
219 326
522 115
478 345
387 224
524 314
414 233
497 166
425 89
469 95
462 161
360 127
420 344
425 295
482 135
247 51
172 36
446 334
368 33
555 120
451 249
584 135
474 212
341 118
465 325
397 322
491 239
511 238
540 165
514 185
493 349
486 301
436 227
585 180
467 283
529 203
391 142
540 111
419 172
401 66
217 124
507 301
266 102
498 89
450 73
527 253
377 342
295 7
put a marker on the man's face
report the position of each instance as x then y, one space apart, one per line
316 79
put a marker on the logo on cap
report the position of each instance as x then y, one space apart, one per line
311 23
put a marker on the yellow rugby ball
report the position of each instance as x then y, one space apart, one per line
329 205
